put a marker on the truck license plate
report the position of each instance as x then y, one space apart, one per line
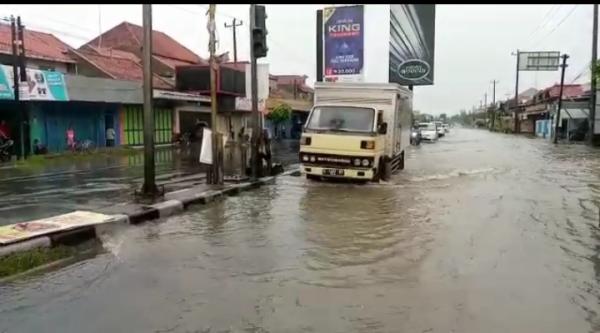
333 172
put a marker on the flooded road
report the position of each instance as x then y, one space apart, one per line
482 232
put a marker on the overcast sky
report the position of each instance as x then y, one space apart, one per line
473 44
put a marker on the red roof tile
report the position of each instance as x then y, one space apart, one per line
128 36
172 63
121 68
38 45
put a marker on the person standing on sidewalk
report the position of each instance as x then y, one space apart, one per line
71 138
110 137
4 131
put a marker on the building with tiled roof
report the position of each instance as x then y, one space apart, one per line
42 50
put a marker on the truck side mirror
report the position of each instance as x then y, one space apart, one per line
382 128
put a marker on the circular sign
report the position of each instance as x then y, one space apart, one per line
413 70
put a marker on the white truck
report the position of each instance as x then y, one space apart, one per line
356 130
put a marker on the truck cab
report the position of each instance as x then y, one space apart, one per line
356 131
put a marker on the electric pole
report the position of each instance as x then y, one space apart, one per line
516 123
592 120
233 27
149 187
215 176
493 103
485 100
562 81
23 114
15 61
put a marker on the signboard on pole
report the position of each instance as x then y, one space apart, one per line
412 40
539 61
343 43
40 86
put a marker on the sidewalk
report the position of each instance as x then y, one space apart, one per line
99 182
86 183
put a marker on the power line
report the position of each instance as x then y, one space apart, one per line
544 21
558 25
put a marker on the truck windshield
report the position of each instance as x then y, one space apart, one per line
427 126
341 118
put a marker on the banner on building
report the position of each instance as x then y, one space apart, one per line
343 43
412 40
40 86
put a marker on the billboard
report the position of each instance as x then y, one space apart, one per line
40 86
412 39
539 61
343 43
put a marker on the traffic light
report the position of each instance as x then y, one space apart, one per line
259 32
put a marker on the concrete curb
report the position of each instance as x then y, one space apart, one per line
30 244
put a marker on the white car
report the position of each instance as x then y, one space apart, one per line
428 131
440 129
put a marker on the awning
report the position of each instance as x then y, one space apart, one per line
180 96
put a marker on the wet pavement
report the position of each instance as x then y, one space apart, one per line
483 232
89 183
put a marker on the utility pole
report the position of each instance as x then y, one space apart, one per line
485 100
494 103
562 81
234 25
24 112
149 188
592 120
516 122
15 60
215 176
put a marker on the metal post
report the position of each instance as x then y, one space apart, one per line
24 113
593 83
215 176
562 81
149 187
516 123
256 128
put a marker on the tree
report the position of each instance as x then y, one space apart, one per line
280 114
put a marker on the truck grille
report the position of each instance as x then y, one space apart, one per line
326 160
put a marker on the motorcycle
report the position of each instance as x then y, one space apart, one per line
5 148
415 136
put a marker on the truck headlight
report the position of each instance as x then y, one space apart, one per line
313 159
357 161
367 144
305 158
365 162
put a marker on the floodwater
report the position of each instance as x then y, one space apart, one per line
483 232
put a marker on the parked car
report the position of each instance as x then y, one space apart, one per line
440 130
446 128
428 131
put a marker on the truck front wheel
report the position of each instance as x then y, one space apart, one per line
385 169
401 164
